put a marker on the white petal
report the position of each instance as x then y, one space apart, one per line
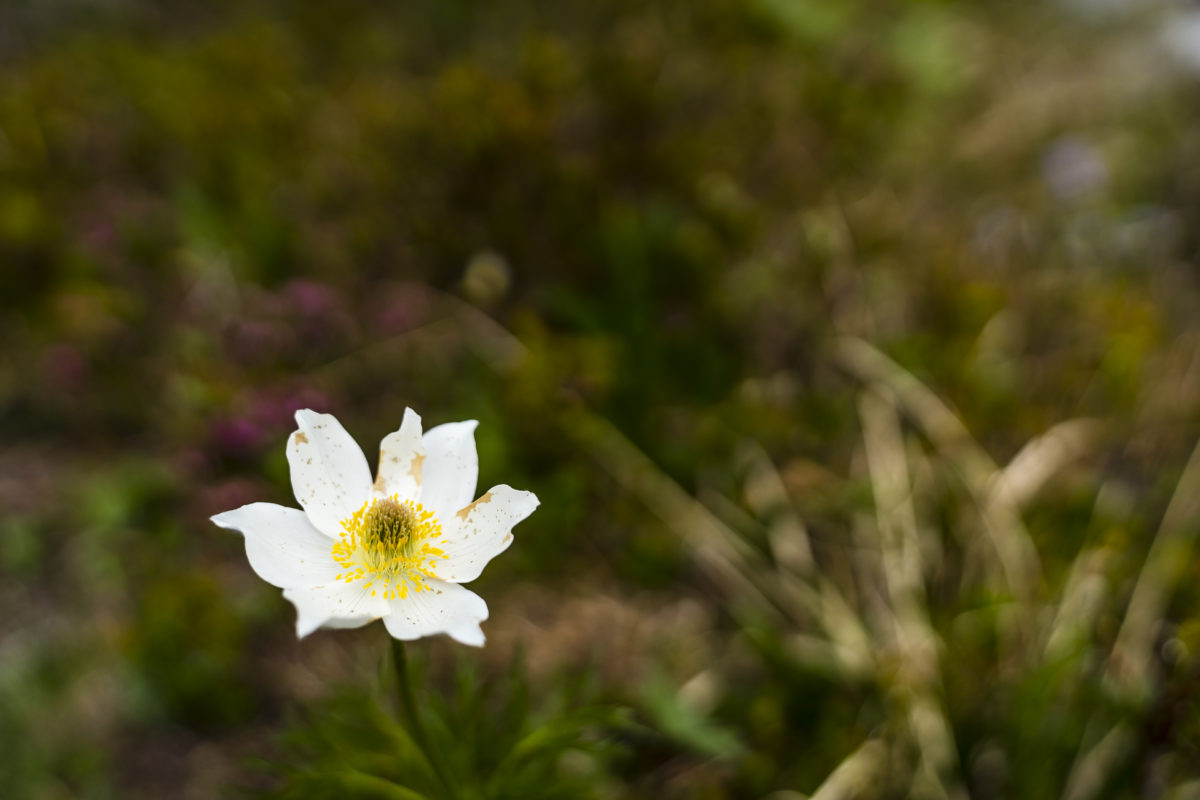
330 475
343 623
451 467
441 608
334 605
401 459
468 633
282 545
481 531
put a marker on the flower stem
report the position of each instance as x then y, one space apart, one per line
412 714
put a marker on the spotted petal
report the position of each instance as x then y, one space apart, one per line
282 545
330 475
401 460
442 608
334 605
451 467
481 531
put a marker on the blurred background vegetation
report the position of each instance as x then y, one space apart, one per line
853 349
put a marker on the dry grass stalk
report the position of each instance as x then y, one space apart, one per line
1020 568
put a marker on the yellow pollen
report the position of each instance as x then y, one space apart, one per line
391 541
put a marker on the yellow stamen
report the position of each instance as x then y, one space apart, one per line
392 541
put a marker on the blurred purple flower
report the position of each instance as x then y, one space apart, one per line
398 307
272 409
100 236
256 341
261 415
234 492
318 315
312 298
191 463
237 436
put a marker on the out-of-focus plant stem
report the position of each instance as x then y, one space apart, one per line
412 714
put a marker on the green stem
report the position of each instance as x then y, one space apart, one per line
412 714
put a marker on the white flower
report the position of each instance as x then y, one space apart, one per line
397 548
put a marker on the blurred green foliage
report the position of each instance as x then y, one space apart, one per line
485 738
632 239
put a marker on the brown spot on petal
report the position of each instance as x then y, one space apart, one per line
508 537
300 437
414 469
465 512
380 483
